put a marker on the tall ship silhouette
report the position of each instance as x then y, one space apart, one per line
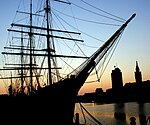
42 82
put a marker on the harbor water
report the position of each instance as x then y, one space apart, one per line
114 114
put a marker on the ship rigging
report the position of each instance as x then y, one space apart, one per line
28 72
36 77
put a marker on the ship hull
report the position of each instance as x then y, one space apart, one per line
51 105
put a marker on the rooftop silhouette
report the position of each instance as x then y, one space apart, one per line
137 91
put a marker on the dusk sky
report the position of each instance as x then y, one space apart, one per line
133 46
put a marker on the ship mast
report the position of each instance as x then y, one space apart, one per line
31 52
31 44
47 10
22 61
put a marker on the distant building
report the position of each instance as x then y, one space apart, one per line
138 75
132 91
138 89
116 77
99 90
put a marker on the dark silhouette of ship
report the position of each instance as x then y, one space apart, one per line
53 103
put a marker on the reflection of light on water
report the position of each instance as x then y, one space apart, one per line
95 110
93 104
131 108
105 112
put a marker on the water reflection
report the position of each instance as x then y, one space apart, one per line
142 117
119 114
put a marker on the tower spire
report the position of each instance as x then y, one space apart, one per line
137 67
138 75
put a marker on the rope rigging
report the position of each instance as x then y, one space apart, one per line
101 66
85 20
91 116
80 30
60 19
96 13
103 11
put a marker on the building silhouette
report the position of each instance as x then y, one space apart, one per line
138 75
137 91
116 77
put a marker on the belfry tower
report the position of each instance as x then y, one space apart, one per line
138 75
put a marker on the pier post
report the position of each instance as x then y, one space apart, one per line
132 121
77 119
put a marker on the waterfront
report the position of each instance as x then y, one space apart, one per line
106 113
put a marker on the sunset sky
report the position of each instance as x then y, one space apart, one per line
133 46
